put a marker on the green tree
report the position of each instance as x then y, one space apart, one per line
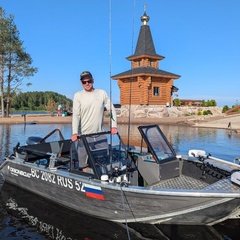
38 100
208 103
51 106
225 108
16 63
203 103
176 102
3 50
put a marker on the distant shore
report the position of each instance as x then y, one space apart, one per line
224 122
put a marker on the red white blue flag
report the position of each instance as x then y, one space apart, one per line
94 192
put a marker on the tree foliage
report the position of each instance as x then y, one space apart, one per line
209 103
40 101
51 105
225 108
176 102
16 63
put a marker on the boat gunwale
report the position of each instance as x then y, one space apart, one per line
131 188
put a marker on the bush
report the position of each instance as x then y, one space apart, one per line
207 112
176 102
225 108
208 103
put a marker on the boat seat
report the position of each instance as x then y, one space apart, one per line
101 159
62 161
60 147
35 152
99 150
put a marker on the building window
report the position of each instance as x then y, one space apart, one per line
150 63
156 91
139 63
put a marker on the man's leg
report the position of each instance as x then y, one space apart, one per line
82 156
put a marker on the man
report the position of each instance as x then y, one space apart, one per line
59 110
88 113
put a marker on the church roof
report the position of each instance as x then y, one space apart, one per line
141 71
145 45
145 48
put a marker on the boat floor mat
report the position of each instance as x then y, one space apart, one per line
181 182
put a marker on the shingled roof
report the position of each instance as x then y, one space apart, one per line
145 45
145 71
145 49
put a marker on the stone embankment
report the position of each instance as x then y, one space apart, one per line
189 116
157 112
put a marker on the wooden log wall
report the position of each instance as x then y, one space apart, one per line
145 62
141 91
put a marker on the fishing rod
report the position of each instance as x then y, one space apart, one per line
131 78
110 81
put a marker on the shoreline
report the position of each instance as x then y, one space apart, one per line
231 122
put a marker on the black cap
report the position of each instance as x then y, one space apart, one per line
85 74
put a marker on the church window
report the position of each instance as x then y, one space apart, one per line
156 91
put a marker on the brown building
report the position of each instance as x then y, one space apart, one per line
145 83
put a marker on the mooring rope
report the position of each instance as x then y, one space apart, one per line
124 210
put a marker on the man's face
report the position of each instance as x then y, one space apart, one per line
87 84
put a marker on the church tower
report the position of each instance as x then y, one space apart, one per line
145 83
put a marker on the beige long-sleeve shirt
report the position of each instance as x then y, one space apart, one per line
88 111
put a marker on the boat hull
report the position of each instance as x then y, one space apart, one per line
113 202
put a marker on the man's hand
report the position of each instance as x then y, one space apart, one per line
114 130
75 137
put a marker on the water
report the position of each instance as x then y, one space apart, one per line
26 216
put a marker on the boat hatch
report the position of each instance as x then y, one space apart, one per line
162 162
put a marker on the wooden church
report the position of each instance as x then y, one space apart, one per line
145 83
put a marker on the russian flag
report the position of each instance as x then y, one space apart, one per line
93 192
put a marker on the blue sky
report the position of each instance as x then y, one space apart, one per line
200 40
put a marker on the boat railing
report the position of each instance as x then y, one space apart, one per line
51 133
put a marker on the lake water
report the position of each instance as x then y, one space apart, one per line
26 216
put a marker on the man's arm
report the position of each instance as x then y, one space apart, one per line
75 117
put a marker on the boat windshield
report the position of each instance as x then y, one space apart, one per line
105 152
157 143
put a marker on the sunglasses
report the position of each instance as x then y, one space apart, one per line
88 81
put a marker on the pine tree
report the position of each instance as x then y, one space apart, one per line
16 63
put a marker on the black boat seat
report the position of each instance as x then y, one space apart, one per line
35 152
62 161
101 159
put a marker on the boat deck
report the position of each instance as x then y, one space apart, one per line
186 182
181 182
224 185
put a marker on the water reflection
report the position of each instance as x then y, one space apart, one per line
36 215
32 217
218 142
5 133
10 135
